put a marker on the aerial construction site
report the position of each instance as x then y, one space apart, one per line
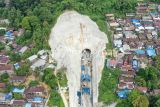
85 93
77 44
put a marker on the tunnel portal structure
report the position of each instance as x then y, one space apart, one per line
85 92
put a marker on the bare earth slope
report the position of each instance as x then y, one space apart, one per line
71 34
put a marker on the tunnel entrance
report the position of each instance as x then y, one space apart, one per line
85 92
86 55
87 50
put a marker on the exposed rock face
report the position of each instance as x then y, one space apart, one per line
72 34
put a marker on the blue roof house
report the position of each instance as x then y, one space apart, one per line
28 105
4 97
140 52
151 52
38 99
18 90
8 96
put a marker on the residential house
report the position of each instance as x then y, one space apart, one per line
118 43
114 24
2 85
2 39
17 79
18 90
130 14
128 73
5 105
125 86
118 30
112 63
23 49
5 98
18 103
130 34
142 89
156 91
4 59
6 68
141 10
4 21
110 17
127 80
16 66
32 58
159 8
32 92
118 36
40 63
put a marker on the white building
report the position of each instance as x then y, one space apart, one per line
32 58
38 64
23 49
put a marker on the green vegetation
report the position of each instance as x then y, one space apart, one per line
135 99
17 96
154 101
2 46
51 80
4 77
14 57
33 83
2 32
108 85
61 77
55 99
38 16
148 77
23 70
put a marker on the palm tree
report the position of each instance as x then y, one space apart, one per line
141 101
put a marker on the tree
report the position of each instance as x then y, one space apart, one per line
15 57
2 46
33 83
17 96
25 23
2 32
140 81
133 96
141 101
158 103
23 71
4 77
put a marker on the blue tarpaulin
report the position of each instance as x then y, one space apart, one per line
151 52
9 33
85 77
135 21
123 94
135 64
78 93
85 90
82 68
140 52
17 66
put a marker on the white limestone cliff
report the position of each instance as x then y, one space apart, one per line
71 34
